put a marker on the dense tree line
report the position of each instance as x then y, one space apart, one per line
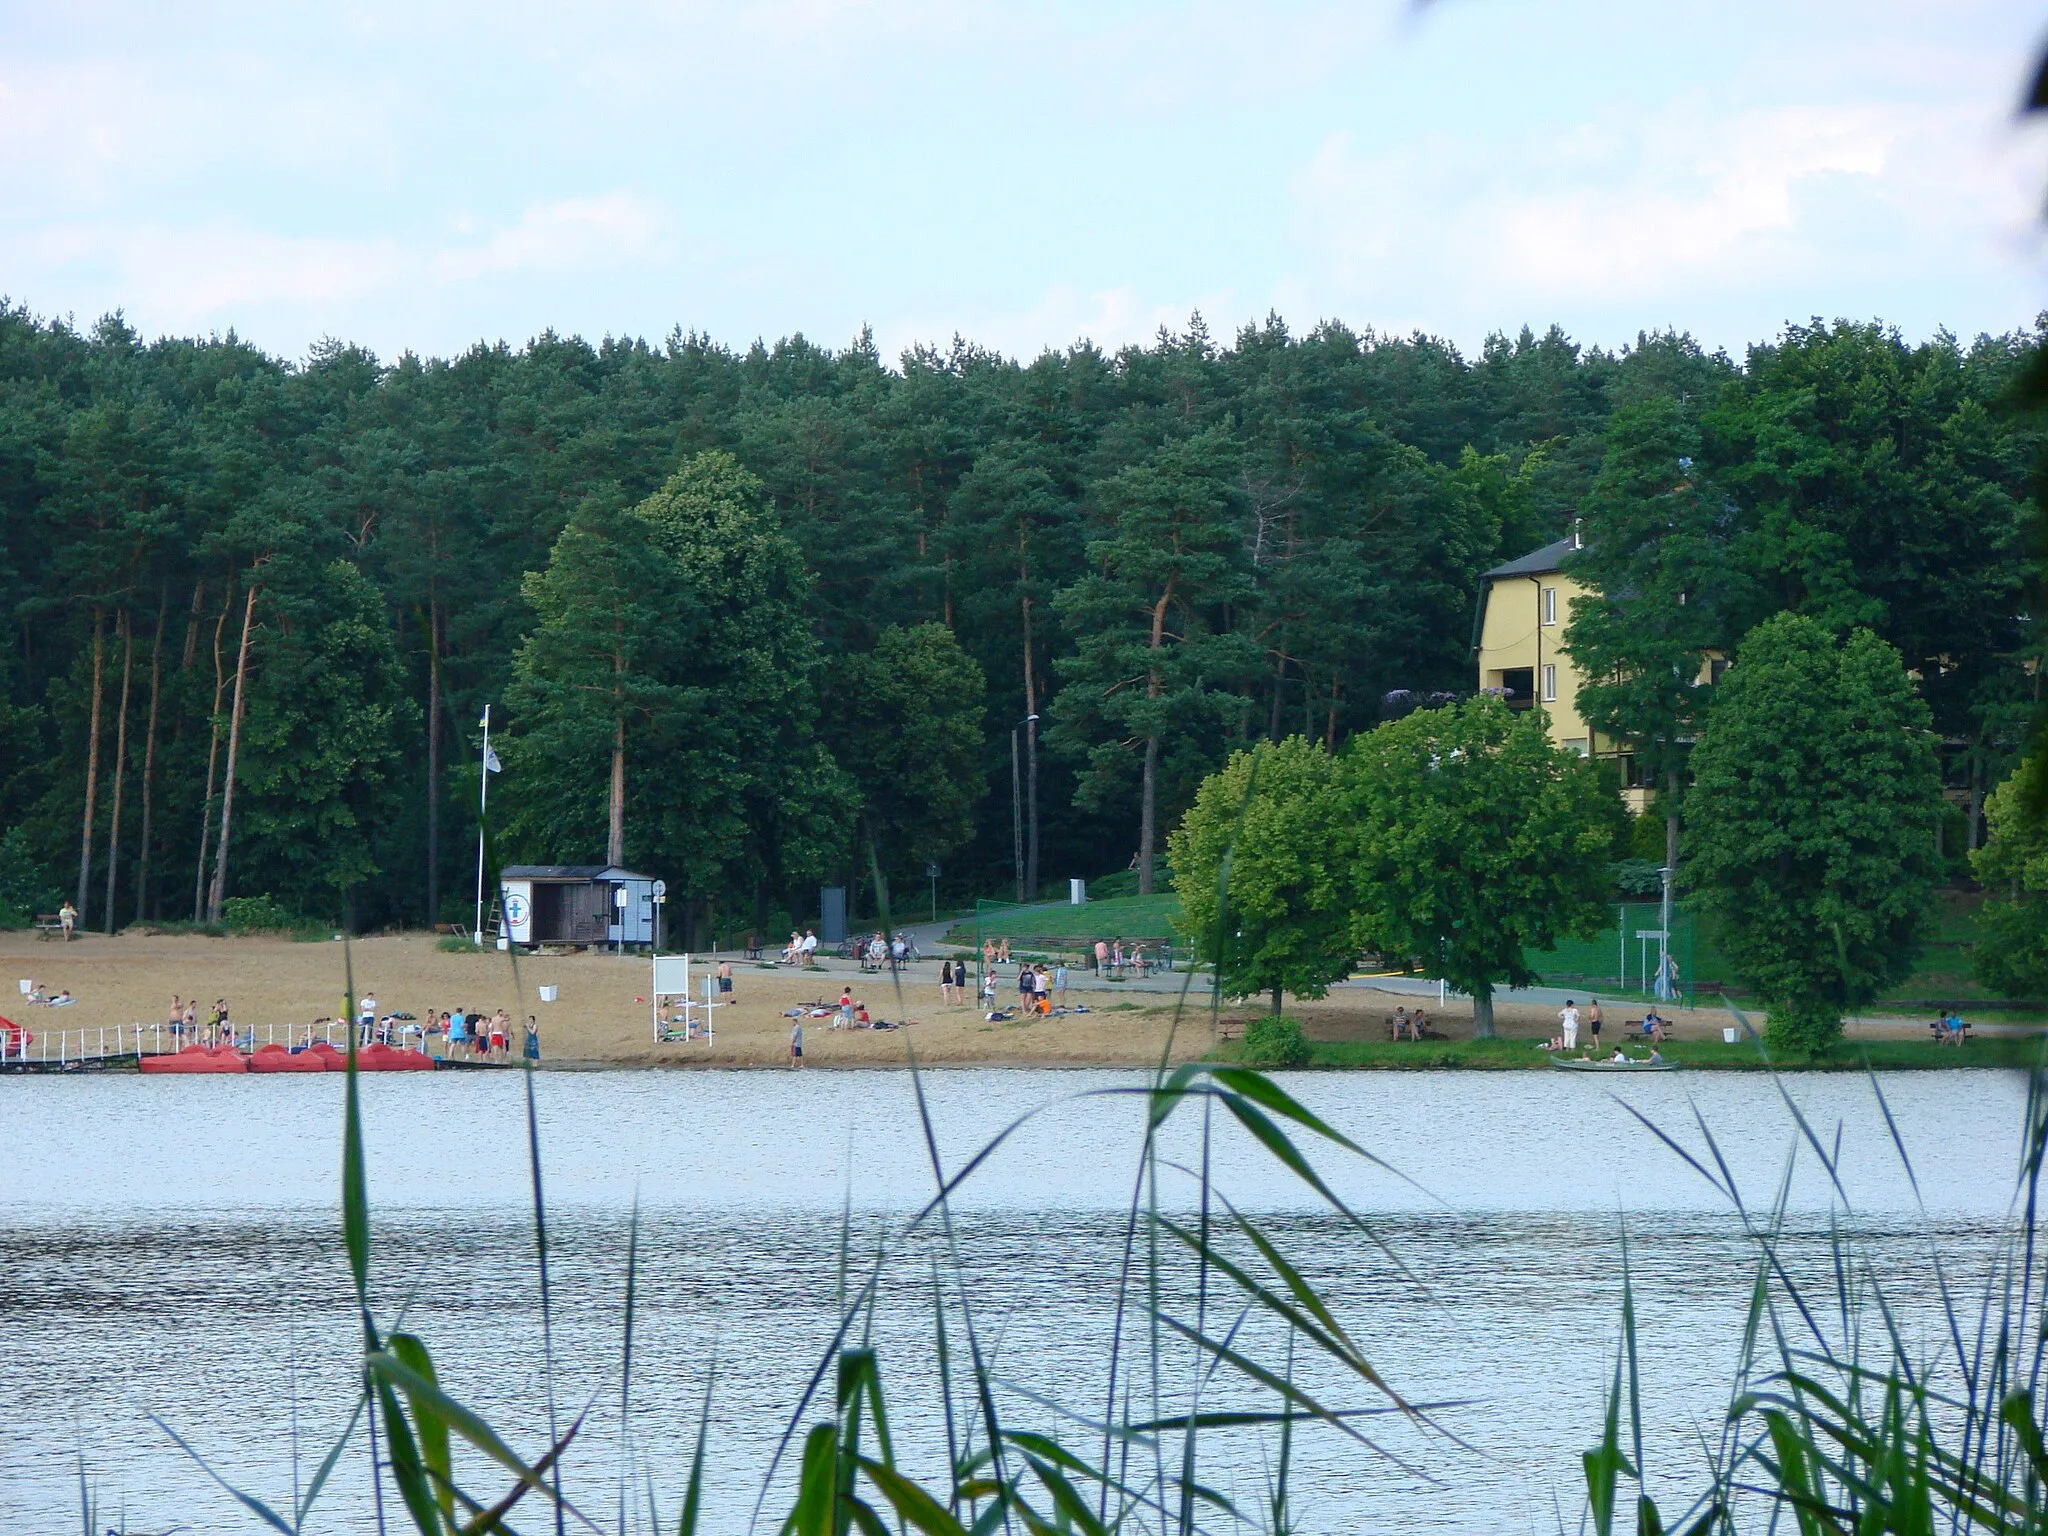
753 619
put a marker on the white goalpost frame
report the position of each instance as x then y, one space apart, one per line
671 981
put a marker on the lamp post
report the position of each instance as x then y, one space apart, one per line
1017 805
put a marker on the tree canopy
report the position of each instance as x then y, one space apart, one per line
1278 916
1169 553
1811 842
1473 842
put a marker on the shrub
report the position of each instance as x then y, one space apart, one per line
255 914
1274 1040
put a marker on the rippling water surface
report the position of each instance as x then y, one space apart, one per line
170 1247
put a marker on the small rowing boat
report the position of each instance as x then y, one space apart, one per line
1574 1064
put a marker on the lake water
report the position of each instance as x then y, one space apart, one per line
170 1247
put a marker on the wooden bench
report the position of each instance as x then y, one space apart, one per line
1632 1029
1942 1037
49 925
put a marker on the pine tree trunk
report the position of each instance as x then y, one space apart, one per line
156 679
1148 802
212 761
218 896
1146 812
127 631
92 762
1030 749
433 760
615 830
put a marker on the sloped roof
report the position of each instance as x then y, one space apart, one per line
568 872
1549 558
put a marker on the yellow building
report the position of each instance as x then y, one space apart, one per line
1525 605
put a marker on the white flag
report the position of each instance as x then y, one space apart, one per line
491 763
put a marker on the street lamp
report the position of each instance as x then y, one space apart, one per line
1017 805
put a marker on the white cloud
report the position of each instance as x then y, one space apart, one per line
578 231
216 274
1659 206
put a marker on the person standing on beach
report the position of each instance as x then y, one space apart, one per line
1568 1016
796 1044
1593 1021
725 981
532 1038
946 981
1059 983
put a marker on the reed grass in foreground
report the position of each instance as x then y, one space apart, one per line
1834 1423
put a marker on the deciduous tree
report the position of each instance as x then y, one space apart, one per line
1811 838
1472 842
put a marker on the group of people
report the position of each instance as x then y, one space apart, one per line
36 992
1111 957
1950 1029
876 949
802 949
1655 1029
183 1022
479 1036
1039 986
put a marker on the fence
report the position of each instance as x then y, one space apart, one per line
101 1044
1623 958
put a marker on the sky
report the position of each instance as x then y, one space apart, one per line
413 175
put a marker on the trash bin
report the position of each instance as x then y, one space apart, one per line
1730 1034
547 994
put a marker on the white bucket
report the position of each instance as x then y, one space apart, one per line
1731 1035
27 986
547 994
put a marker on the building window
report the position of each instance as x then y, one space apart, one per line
1549 684
1716 668
1576 744
1550 605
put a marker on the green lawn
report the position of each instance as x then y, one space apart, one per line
1129 917
1704 1055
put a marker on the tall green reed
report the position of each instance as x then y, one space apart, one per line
1834 1422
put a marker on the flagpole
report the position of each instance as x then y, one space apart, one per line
483 799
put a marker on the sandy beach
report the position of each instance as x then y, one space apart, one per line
601 1015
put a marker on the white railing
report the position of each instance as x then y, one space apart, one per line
112 1042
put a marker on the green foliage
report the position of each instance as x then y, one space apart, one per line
322 765
1473 842
1656 554
1263 887
1312 509
1811 841
255 914
1274 1040
2011 954
25 888
908 726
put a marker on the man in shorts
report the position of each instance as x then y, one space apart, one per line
796 1044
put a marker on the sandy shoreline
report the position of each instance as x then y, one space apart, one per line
601 1018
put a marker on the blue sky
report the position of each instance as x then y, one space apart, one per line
424 175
